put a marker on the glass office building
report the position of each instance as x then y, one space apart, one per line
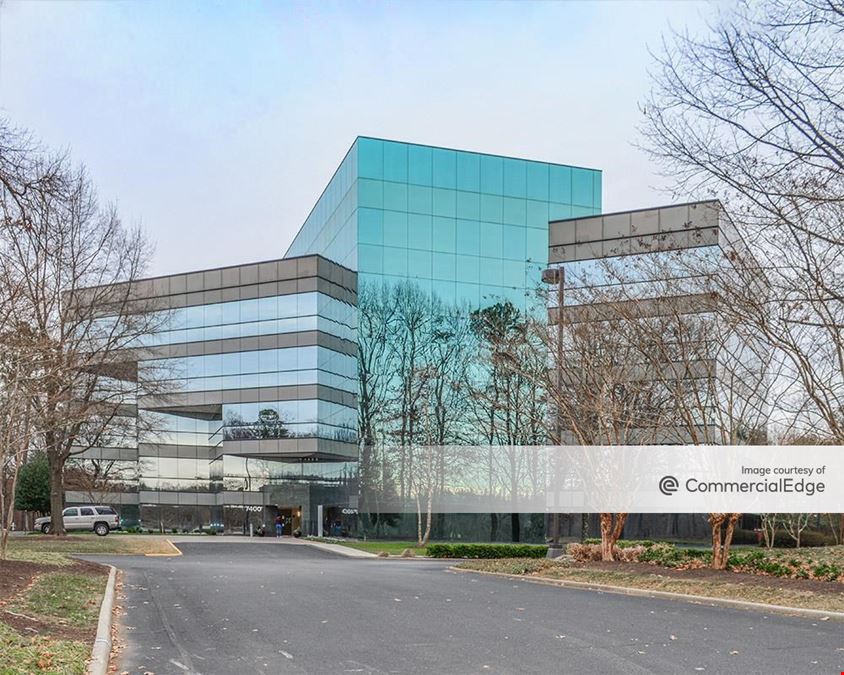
261 358
254 411
464 226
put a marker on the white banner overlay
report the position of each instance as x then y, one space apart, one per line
697 479
608 479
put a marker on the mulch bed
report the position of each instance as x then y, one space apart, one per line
16 576
726 576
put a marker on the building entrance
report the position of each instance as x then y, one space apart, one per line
292 516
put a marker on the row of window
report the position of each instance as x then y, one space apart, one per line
244 363
447 266
254 328
456 169
452 235
471 205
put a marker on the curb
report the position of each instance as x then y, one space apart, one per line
339 549
667 595
100 654
176 552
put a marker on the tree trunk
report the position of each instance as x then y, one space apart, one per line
721 538
7 506
612 525
56 493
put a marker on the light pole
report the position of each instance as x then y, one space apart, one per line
557 275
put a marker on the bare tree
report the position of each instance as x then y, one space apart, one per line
794 524
509 405
751 113
73 264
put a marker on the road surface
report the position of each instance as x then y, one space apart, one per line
246 607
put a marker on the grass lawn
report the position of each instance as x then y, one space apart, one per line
809 594
49 607
19 654
377 546
62 598
51 550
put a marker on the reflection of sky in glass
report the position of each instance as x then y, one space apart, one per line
468 227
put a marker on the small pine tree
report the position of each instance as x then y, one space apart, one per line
33 488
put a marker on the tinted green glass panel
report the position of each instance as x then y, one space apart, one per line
419 231
515 178
444 234
444 202
560 184
419 264
419 199
536 214
537 181
581 187
395 162
537 245
559 211
395 228
513 273
445 168
492 174
370 193
468 294
468 205
492 208
371 259
513 211
467 268
468 237
395 196
490 240
513 242
371 226
444 290
490 271
468 171
419 168
370 158
395 261
444 266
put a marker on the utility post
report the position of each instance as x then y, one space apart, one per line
557 275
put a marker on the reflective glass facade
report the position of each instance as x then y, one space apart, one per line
252 399
260 360
468 227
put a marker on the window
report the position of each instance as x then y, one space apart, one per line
106 511
87 511
70 512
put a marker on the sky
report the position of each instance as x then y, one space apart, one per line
215 126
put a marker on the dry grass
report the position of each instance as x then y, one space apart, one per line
829 597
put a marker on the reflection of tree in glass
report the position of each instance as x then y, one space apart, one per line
270 425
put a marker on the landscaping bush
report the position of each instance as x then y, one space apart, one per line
625 543
745 538
809 539
486 551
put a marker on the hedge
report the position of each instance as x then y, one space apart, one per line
486 551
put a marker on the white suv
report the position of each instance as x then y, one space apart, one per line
100 519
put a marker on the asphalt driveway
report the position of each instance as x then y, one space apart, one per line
247 607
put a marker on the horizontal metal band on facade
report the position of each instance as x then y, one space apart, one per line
695 303
252 343
105 497
164 402
154 450
108 454
291 448
241 282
